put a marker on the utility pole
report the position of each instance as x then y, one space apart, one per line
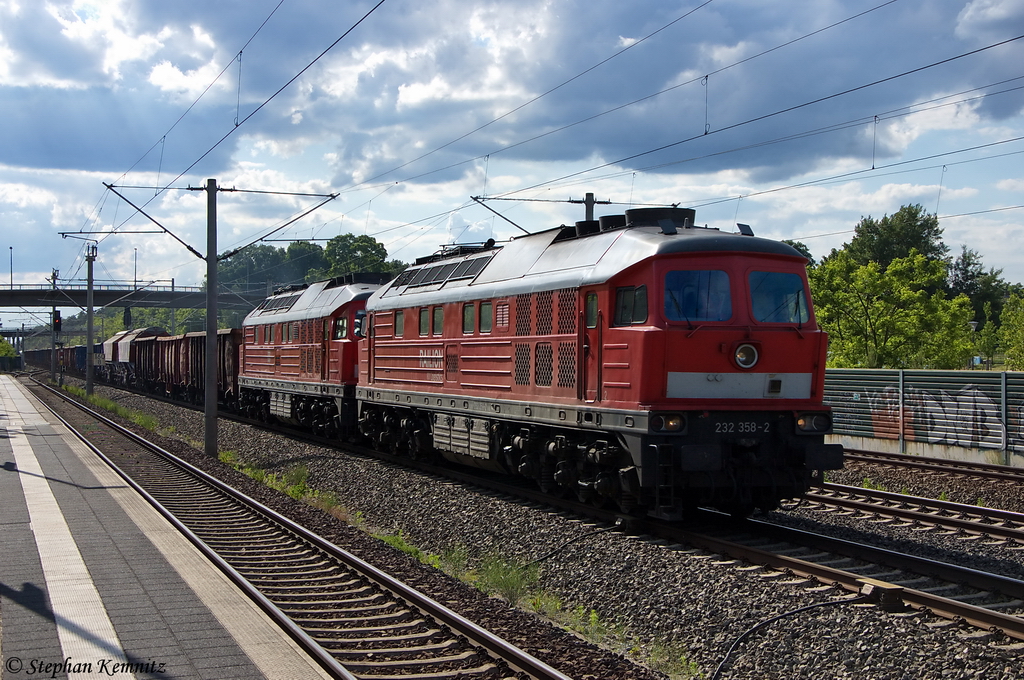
53 333
174 313
90 257
210 409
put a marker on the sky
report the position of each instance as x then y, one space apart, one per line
797 118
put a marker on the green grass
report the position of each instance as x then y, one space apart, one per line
143 420
871 485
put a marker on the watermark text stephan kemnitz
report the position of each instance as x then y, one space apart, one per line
46 668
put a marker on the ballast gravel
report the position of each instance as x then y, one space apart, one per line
662 600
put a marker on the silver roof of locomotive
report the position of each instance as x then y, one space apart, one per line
556 259
314 301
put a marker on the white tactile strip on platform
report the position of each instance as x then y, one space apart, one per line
83 626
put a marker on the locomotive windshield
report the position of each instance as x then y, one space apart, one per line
697 295
778 297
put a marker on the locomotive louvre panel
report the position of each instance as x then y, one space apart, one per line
524 313
522 351
451 363
567 314
544 367
567 361
545 313
501 315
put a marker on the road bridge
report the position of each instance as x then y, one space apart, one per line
168 297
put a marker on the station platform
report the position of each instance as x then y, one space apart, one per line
95 583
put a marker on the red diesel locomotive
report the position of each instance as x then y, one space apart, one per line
636 360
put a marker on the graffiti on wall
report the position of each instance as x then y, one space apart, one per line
968 417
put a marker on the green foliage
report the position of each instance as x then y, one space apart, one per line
507 578
6 349
986 339
895 236
986 289
143 420
348 253
1011 333
455 562
892 317
803 250
871 485
399 542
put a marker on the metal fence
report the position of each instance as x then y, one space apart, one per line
980 410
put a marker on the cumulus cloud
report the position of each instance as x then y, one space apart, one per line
432 102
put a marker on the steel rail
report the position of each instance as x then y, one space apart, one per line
310 646
517 658
1008 624
879 506
942 465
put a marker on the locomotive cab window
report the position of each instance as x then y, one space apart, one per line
630 305
424 322
697 295
399 323
360 326
468 318
778 297
486 317
340 328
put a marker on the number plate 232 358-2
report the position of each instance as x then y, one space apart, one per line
742 427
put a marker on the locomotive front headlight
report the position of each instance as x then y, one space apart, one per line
814 422
746 356
667 422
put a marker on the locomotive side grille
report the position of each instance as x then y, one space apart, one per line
544 364
524 307
545 313
567 364
522 364
451 363
567 320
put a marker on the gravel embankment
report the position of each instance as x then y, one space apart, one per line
698 603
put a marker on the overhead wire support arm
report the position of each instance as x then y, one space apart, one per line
328 199
480 200
151 219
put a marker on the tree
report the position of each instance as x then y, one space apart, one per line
302 258
967 276
256 265
909 228
1011 332
892 317
350 253
803 250
6 349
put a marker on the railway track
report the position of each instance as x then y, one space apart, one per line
356 620
892 579
970 520
938 465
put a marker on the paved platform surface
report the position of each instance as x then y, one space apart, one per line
95 583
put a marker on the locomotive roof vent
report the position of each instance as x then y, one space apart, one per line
668 219
745 229
609 222
587 227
